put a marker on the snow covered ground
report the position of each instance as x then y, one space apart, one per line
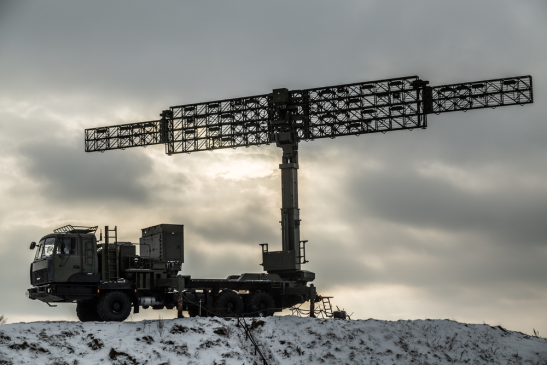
283 340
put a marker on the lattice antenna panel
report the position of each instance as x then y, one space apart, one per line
482 94
359 108
124 136
220 124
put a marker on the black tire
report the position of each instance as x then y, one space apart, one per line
260 303
229 304
193 310
87 311
114 306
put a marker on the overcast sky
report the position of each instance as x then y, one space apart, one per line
447 222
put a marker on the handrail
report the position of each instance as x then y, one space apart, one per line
75 229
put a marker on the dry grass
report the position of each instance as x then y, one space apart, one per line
161 325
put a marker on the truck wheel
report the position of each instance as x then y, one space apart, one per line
114 306
193 310
260 302
87 311
229 304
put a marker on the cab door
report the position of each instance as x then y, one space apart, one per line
89 258
67 259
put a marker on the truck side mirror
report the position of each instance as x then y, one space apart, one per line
32 245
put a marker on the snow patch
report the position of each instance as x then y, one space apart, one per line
282 340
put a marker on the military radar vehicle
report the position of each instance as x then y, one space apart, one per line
107 279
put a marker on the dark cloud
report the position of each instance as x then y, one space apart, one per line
69 177
402 196
200 48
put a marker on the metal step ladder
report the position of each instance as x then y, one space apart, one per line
110 259
327 306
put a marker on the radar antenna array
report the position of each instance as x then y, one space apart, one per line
327 112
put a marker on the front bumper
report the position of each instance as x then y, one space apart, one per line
68 293
44 293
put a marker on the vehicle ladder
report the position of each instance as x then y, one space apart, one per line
110 260
327 307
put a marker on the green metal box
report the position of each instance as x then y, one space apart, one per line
164 242
279 261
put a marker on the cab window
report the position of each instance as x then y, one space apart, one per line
67 246
49 245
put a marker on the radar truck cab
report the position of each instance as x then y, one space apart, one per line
67 257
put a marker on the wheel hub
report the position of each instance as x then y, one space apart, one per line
116 306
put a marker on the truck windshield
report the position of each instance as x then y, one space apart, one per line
39 249
45 247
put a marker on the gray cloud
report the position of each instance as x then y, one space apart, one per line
69 177
399 195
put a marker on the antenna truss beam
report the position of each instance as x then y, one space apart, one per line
123 136
220 124
360 108
482 94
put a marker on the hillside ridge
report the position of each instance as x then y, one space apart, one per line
282 340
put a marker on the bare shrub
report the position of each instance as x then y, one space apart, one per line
221 331
121 358
59 361
536 333
147 339
161 325
25 345
3 320
255 324
178 329
229 331
95 344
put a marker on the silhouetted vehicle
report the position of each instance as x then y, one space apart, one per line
106 280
